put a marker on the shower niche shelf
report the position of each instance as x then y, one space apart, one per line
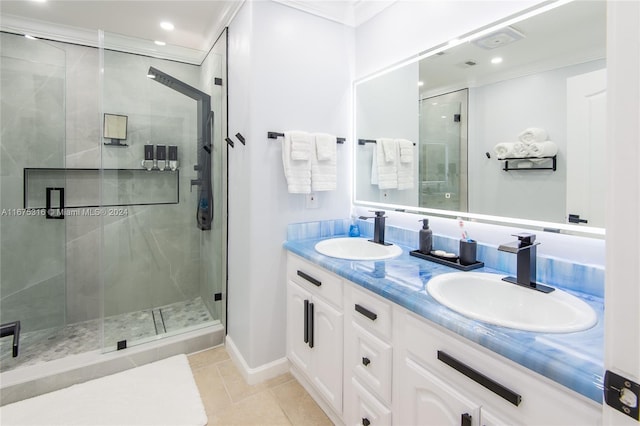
119 187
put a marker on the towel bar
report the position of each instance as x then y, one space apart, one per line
276 135
364 141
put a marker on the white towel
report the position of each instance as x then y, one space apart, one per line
296 171
300 145
520 150
323 163
390 149
543 149
504 150
533 134
406 169
325 146
387 171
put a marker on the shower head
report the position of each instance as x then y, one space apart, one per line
177 85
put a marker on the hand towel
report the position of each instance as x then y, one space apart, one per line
323 162
325 146
406 169
300 145
543 149
533 134
504 150
390 148
387 170
296 171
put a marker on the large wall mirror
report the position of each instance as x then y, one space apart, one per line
507 125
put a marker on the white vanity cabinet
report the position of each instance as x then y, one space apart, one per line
315 327
368 357
441 376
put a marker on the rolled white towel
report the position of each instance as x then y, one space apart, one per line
533 134
543 149
520 150
504 150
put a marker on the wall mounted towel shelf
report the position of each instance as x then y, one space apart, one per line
276 135
506 167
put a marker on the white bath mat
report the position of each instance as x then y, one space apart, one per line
161 393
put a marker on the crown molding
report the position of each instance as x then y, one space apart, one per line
348 12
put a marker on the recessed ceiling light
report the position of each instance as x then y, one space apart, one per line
151 76
166 25
30 37
160 43
496 60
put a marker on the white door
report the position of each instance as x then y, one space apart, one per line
586 130
327 352
298 351
428 401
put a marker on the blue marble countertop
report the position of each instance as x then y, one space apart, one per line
574 360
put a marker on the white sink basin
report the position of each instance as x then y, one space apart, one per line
487 298
356 249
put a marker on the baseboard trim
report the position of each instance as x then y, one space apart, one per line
259 374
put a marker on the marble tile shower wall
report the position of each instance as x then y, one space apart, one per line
151 254
558 272
32 117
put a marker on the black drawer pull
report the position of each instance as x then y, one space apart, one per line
310 279
366 361
365 422
481 379
306 321
465 420
367 313
310 325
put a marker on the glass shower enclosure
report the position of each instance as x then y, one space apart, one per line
107 180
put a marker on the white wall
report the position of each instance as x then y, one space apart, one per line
287 70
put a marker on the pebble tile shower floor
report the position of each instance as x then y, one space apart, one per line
47 345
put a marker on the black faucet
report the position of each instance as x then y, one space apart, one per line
525 250
12 329
378 227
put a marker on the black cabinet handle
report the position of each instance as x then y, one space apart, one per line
367 313
306 321
366 361
310 325
465 420
481 379
365 422
309 278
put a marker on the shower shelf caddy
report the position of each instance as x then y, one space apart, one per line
90 188
506 167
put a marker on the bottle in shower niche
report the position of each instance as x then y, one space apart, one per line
161 155
173 158
147 163
426 237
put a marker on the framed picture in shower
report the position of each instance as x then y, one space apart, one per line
115 129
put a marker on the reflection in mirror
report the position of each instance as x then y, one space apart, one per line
546 73
115 128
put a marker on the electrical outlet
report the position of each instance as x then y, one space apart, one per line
312 201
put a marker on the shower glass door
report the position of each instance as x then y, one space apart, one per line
157 264
443 151
32 246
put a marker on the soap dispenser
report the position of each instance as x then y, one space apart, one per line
426 237
354 229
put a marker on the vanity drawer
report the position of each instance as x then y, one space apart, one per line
369 359
370 311
315 279
365 409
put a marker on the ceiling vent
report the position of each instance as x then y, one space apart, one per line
467 64
499 38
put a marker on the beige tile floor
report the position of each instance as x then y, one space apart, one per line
229 400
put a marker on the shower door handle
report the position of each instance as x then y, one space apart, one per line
48 210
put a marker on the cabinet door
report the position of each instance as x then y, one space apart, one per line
364 408
327 352
298 351
426 400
